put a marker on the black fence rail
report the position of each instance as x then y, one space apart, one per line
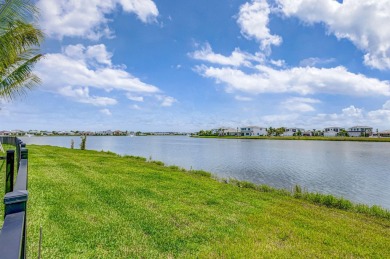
13 232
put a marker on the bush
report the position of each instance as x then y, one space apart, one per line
83 142
157 162
201 173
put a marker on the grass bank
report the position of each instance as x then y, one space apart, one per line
100 205
360 139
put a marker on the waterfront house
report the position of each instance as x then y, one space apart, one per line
5 133
384 134
253 131
228 132
332 131
292 131
311 133
359 131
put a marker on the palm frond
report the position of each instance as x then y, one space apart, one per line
19 78
18 39
17 10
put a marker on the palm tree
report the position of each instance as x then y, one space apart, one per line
19 43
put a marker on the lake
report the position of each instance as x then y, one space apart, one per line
358 171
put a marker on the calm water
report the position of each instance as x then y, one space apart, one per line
358 171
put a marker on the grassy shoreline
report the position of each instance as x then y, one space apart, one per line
358 139
99 204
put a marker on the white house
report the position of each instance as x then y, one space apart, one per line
253 131
228 132
292 131
332 131
358 131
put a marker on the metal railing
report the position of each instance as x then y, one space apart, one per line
13 233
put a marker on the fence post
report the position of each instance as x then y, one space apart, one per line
9 172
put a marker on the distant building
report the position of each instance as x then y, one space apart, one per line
359 131
228 132
5 133
292 131
332 131
384 134
253 131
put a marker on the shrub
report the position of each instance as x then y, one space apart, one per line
157 162
83 142
201 173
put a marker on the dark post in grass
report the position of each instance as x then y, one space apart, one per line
9 172
13 235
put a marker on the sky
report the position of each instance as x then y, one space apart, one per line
158 65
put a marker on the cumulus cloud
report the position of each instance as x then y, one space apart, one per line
300 104
166 101
301 80
78 68
81 94
106 112
253 19
88 18
135 98
386 106
236 59
347 117
312 62
364 23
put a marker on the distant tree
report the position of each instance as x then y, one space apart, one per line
72 144
270 131
343 133
299 133
205 133
279 131
19 42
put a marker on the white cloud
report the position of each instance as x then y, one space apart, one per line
78 68
386 106
300 104
99 54
242 98
134 98
278 63
301 80
88 18
146 10
352 111
81 94
135 107
95 55
347 117
106 112
166 101
364 23
253 20
236 59
312 62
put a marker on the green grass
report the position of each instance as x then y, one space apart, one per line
99 205
360 139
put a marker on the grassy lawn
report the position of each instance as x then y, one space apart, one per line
100 205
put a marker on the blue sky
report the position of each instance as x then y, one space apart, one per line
196 64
